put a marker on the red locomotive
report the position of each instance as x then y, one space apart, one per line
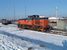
34 22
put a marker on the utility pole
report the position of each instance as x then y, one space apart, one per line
14 9
25 8
56 11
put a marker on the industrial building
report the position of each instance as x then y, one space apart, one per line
58 23
62 24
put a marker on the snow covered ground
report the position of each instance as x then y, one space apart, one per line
10 42
15 43
54 42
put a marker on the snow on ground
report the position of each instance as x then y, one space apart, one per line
15 43
58 40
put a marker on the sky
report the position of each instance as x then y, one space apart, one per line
22 8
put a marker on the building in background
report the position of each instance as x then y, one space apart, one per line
62 24
58 23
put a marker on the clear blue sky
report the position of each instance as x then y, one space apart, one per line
40 7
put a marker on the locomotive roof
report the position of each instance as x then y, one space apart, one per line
33 18
23 19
